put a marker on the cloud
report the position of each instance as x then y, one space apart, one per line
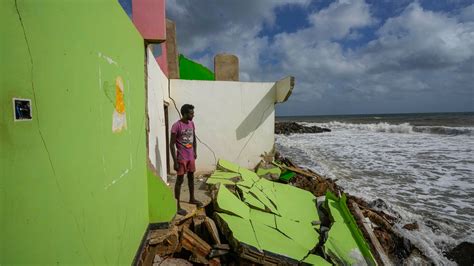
414 60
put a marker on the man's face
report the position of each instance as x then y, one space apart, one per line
190 115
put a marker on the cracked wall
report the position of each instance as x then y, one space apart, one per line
71 190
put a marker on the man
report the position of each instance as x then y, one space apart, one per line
184 152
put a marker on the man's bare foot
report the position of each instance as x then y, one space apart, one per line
182 212
196 202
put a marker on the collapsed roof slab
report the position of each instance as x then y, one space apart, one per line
269 226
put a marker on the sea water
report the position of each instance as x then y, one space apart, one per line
420 165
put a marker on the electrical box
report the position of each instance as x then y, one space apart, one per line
22 109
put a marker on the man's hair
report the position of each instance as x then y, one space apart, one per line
186 108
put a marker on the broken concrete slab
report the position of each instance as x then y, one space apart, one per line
302 233
228 202
345 243
279 226
316 260
241 229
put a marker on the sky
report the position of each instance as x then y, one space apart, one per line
348 56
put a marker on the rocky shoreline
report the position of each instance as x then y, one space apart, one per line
287 128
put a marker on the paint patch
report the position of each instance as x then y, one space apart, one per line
108 59
119 117
116 180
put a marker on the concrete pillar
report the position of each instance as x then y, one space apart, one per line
172 50
226 67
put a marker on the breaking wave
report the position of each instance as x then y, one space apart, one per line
404 128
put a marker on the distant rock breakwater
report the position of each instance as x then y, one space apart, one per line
287 128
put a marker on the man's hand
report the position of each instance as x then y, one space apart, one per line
176 166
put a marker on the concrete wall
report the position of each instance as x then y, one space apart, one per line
150 19
226 67
157 85
235 119
72 191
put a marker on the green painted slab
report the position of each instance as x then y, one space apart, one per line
229 166
246 183
316 260
262 217
273 241
241 229
228 202
295 203
252 201
257 193
272 171
224 175
345 241
300 232
342 246
249 175
212 181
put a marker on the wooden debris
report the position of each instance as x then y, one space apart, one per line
377 219
192 242
212 228
372 238
221 246
198 220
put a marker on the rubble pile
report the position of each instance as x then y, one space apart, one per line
277 214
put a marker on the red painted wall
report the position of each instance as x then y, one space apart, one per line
150 19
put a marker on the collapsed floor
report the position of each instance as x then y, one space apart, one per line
279 214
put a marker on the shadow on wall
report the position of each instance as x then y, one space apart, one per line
158 159
257 116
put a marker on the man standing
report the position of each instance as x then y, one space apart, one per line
184 152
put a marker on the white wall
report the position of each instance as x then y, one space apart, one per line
232 118
157 94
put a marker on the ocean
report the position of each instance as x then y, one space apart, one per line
420 165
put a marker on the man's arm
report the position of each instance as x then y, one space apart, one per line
173 151
195 145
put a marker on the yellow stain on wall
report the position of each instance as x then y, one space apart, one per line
119 102
119 117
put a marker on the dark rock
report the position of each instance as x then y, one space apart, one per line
411 227
293 127
462 254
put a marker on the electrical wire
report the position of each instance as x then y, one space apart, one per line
200 141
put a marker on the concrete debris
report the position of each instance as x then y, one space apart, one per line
260 218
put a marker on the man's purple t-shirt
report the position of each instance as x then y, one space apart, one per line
184 139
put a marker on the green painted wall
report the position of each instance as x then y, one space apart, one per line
71 191
162 205
189 69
